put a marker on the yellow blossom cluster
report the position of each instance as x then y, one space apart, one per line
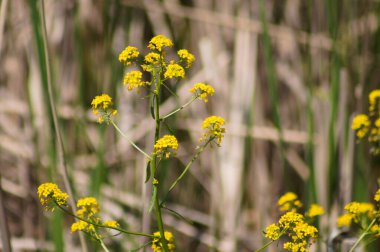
202 91
214 128
157 244
158 42
369 125
186 56
166 145
128 55
315 210
102 107
174 70
133 80
289 201
50 194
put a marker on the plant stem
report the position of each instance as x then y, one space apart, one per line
180 108
265 245
363 235
130 141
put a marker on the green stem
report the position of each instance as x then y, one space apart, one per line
180 108
130 141
101 242
154 164
104 226
265 245
363 235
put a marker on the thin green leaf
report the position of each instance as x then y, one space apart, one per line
148 172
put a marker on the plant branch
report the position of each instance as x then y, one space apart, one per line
180 108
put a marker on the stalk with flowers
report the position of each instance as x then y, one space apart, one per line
160 71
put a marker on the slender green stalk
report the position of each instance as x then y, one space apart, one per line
60 147
180 108
103 245
265 245
363 235
130 141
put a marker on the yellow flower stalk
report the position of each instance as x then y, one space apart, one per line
49 193
187 57
202 91
102 107
133 80
166 145
214 128
361 125
129 54
159 42
173 70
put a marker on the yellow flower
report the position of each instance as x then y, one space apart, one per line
173 70
377 195
87 207
166 145
202 91
82 226
186 56
152 58
272 232
296 246
344 220
302 231
157 244
133 80
375 230
374 100
102 106
361 124
128 55
158 42
214 127
356 208
49 193
111 223
315 210
289 201
290 219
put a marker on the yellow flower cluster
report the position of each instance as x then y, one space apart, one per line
173 70
153 58
102 106
166 145
369 125
315 210
133 80
214 129
202 91
157 244
289 201
158 42
186 56
50 194
128 55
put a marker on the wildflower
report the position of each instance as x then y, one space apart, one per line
296 246
202 91
356 208
375 230
49 193
152 58
289 201
377 196
87 207
302 231
128 55
102 106
173 70
272 232
133 80
166 145
111 223
374 100
186 56
214 127
290 219
315 210
361 124
158 42
82 226
157 244
344 220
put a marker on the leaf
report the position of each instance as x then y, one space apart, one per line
151 204
148 172
152 107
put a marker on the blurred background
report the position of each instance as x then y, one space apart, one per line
289 76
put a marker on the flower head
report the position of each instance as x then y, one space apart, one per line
102 106
202 91
315 210
273 232
87 207
377 196
157 244
289 201
361 124
344 220
166 145
214 128
158 42
82 226
128 55
173 70
374 100
50 194
290 219
152 58
133 80
187 57
111 223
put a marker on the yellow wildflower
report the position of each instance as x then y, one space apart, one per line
296 246
289 201
315 210
377 195
361 124
102 106
374 100
290 219
375 230
152 58
82 226
173 70
166 145
344 220
214 127
133 80
49 193
87 207
158 42
272 232
157 244
186 56
356 208
111 223
202 91
128 55
302 231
